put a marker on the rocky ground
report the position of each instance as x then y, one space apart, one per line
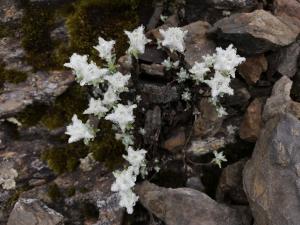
258 185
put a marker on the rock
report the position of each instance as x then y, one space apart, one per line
60 34
175 141
240 100
152 125
39 88
197 44
252 68
33 211
125 63
255 32
230 187
285 60
207 123
185 206
158 93
13 55
252 122
280 100
152 55
200 146
153 69
195 183
232 4
271 176
287 7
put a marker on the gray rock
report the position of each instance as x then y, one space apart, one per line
280 100
10 12
60 33
175 140
152 125
285 60
13 55
255 32
185 206
157 93
153 69
230 187
271 177
287 7
232 4
39 88
33 211
197 44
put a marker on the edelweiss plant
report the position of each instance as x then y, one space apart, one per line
215 71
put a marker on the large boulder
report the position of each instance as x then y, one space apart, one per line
186 206
272 176
255 32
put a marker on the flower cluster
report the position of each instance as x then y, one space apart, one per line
108 85
223 63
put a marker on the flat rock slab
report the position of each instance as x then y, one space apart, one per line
33 211
255 32
186 206
39 88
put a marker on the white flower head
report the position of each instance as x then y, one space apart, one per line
128 200
86 73
125 180
136 158
183 75
105 49
173 38
78 130
186 95
227 60
127 139
96 107
118 81
198 71
219 85
122 116
7 178
168 64
110 97
219 158
137 41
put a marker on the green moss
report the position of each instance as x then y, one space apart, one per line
15 196
64 159
36 27
31 115
70 192
89 210
11 76
105 18
83 190
106 148
73 101
54 192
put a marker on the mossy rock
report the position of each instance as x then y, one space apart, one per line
54 192
11 76
105 18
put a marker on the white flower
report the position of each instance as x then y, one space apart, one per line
219 85
209 60
227 60
137 41
219 158
87 163
186 95
231 129
136 158
168 64
86 73
105 49
182 75
118 81
122 116
142 131
221 111
126 139
9 184
128 199
125 180
78 130
96 107
110 97
198 71
173 38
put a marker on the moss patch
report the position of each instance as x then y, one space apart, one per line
36 27
11 76
54 192
105 18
